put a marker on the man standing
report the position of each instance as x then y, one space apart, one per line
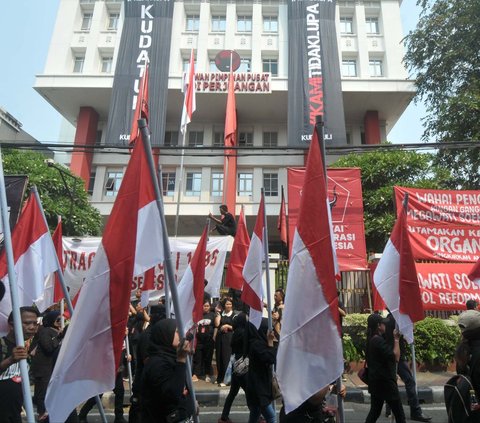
11 394
226 225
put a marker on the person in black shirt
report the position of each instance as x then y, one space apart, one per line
226 224
202 359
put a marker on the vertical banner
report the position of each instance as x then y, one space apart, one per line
146 36
314 81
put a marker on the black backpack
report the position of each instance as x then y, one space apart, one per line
457 400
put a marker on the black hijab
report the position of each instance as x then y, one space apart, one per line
49 319
161 338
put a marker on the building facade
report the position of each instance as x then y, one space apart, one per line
80 67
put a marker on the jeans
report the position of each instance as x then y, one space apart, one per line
268 413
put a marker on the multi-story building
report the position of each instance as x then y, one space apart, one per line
79 73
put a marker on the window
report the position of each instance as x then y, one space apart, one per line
349 68
186 65
193 23
244 23
194 184
270 24
171 138
78 62
113 182
245 139
213 66
270 184
270 139
217 184
219 23
270 65
195 139
245 184
91 181
168 184
372 26
218 139
376 67
107 64
244 65
86 21
113 21
346 25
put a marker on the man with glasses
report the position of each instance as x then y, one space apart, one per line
11 395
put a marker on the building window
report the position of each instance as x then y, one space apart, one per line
245 139
113 182
270 65
107 64
168 184
78 62
270 24
217 184
376 67
346 25
91 181
86 21
270 184
244 23
195 139
270 139
171 138
349 68
213 66
218 139
245 184
113 21
244 65
194 184
186 65
193 23
372 26
219 23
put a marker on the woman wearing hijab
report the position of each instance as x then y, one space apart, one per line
262 356
165 398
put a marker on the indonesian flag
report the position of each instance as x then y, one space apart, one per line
282 220
474 274
192 287
33 257
252 293
238 255
310 352
131 244
396 279
141 108
231 115
189 103
148 285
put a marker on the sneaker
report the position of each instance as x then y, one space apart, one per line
194 378
207 379
222 385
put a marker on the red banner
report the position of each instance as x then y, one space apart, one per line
443 225
345 194
446 286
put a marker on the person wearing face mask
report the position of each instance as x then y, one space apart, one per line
202 360
223 337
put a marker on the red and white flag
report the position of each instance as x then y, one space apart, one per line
33 257
189 103
396 279
131 244
192 287
282 220
141 108
310 353
238 255
252 293
474 274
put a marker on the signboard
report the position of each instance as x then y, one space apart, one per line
346 202
245 82
443 225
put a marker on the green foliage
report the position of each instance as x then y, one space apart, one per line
355 328
350 352
442 54
85 219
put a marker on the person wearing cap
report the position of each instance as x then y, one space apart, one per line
467 355
382 373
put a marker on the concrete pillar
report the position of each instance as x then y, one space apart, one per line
372 127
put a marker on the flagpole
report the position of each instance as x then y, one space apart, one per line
180 181
12 280
66 295
142 124
267 261
166 290
225 152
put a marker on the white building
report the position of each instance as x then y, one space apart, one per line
78 79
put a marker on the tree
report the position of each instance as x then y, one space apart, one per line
381 170
85 219
443 54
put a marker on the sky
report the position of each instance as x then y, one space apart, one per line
26 27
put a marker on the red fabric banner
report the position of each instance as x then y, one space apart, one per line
443 225
345 194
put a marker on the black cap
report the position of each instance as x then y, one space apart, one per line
375 319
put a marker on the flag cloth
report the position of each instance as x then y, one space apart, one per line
131 244
33 257
189 103
252 293
231 115
310 352
474 275
238 255
141 108
282 220
192 287
396 279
